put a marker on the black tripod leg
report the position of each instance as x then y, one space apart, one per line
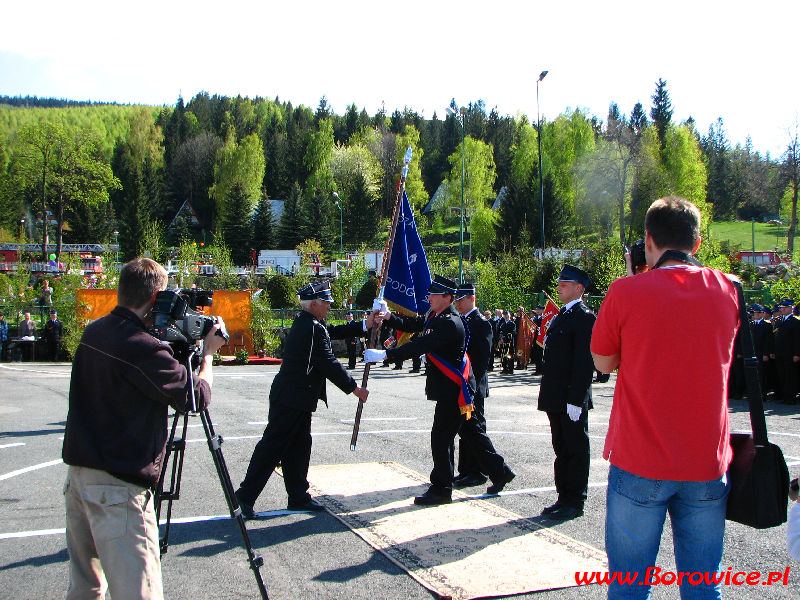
214 443
175 449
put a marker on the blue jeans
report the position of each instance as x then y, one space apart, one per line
636 508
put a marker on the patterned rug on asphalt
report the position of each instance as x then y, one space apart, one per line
467 549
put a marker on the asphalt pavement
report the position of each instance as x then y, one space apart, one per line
314 556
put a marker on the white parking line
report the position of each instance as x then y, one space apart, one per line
12 445
27 370
31 468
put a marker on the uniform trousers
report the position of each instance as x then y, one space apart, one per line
571 467
467 456
286 440
447 423
787 378
112 537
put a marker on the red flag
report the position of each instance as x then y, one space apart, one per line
550 311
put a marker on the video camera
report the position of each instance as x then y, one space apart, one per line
176 318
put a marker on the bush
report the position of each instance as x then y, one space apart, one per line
281 292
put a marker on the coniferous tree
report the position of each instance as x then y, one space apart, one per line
236 229
263 226
638 118
290 232
661 112
715 147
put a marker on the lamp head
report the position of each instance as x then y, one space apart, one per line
335 197
542 75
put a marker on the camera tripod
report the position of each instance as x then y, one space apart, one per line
176 449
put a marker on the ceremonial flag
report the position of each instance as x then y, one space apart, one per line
550 311
408 278
526 335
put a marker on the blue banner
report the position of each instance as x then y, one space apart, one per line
409 278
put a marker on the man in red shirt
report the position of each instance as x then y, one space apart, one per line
667 438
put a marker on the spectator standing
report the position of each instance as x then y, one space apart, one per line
668 435
53 332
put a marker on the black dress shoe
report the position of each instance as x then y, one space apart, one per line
430 498
247 510
551 509
565 513
498 484
469 481
309 505
397 368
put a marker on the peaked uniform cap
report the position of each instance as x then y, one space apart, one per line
464 290
442 285
570 273
316 291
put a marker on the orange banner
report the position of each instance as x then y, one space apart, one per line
526 335
233 307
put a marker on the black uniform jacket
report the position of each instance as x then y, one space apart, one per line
787 337
763 338
568 365
308 361
507 328
444 337
479 350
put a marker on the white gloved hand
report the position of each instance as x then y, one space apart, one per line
374 355
379 305
574 412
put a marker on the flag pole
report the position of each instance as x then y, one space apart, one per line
387 258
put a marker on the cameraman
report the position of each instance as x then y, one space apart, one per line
668 433
123 382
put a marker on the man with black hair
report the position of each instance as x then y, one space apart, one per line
668 434
123 382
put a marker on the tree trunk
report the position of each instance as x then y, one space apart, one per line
44 211
793 222
60 226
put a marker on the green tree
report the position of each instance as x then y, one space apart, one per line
290 232
661 112
479 175
43 141
264 230
415 189
236 226
281 292
239 164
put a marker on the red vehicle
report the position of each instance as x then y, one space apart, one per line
90 256
763 258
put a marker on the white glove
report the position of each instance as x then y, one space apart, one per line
379 305
374 355
573 412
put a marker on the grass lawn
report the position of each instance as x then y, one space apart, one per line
767 236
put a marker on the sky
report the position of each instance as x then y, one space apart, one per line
728 59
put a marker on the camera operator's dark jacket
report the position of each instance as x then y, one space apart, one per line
123 381
308 361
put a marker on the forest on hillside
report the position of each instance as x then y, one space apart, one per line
205 170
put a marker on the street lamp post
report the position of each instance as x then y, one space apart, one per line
115 233
338 203
542 75
451 110
21 228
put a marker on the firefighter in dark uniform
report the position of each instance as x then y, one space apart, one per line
565 393
536 349
508 350
763 344
474 445
443 340
787 352
308 362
